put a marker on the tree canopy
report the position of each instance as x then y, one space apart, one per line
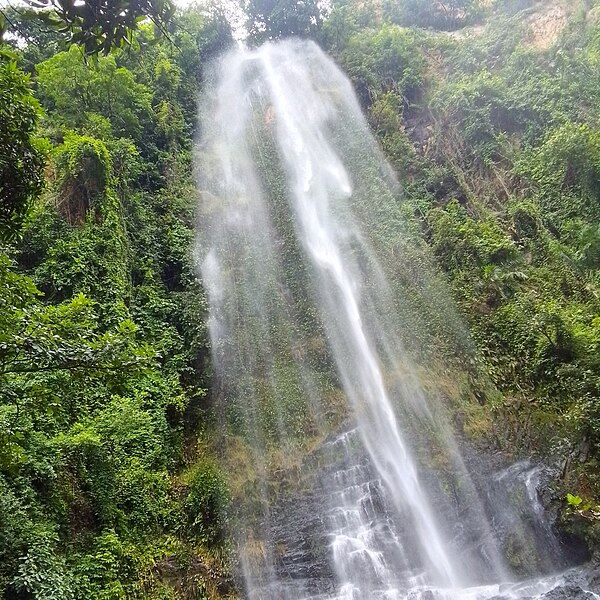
21 155
97 26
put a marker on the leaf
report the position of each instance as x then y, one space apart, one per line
574 500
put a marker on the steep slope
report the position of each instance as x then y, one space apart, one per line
494 130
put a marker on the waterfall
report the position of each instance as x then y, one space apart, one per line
348 479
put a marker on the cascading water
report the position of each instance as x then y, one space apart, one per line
301 231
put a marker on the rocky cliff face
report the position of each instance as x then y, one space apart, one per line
517 499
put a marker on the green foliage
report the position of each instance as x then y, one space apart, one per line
206 503
100 25
565 170
274 19
57 368
446 15
73 90
525 167
574 500
42 573
463 242
384 60
102 337
77 243
345 20
386 119
84 170
21 156
478 107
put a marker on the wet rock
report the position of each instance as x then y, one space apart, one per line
299 531
569 592
515 500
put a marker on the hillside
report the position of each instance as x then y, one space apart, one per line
493 129
114 482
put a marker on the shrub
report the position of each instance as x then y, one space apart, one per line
84 169
460 241
567 163
388 59
206 504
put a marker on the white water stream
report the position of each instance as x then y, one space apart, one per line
298 202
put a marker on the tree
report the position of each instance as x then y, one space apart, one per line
388 59
21 157
274 19
98 25
30 38
76 91
438 14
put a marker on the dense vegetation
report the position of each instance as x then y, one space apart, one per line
108 489
95 25
495 134
110 484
